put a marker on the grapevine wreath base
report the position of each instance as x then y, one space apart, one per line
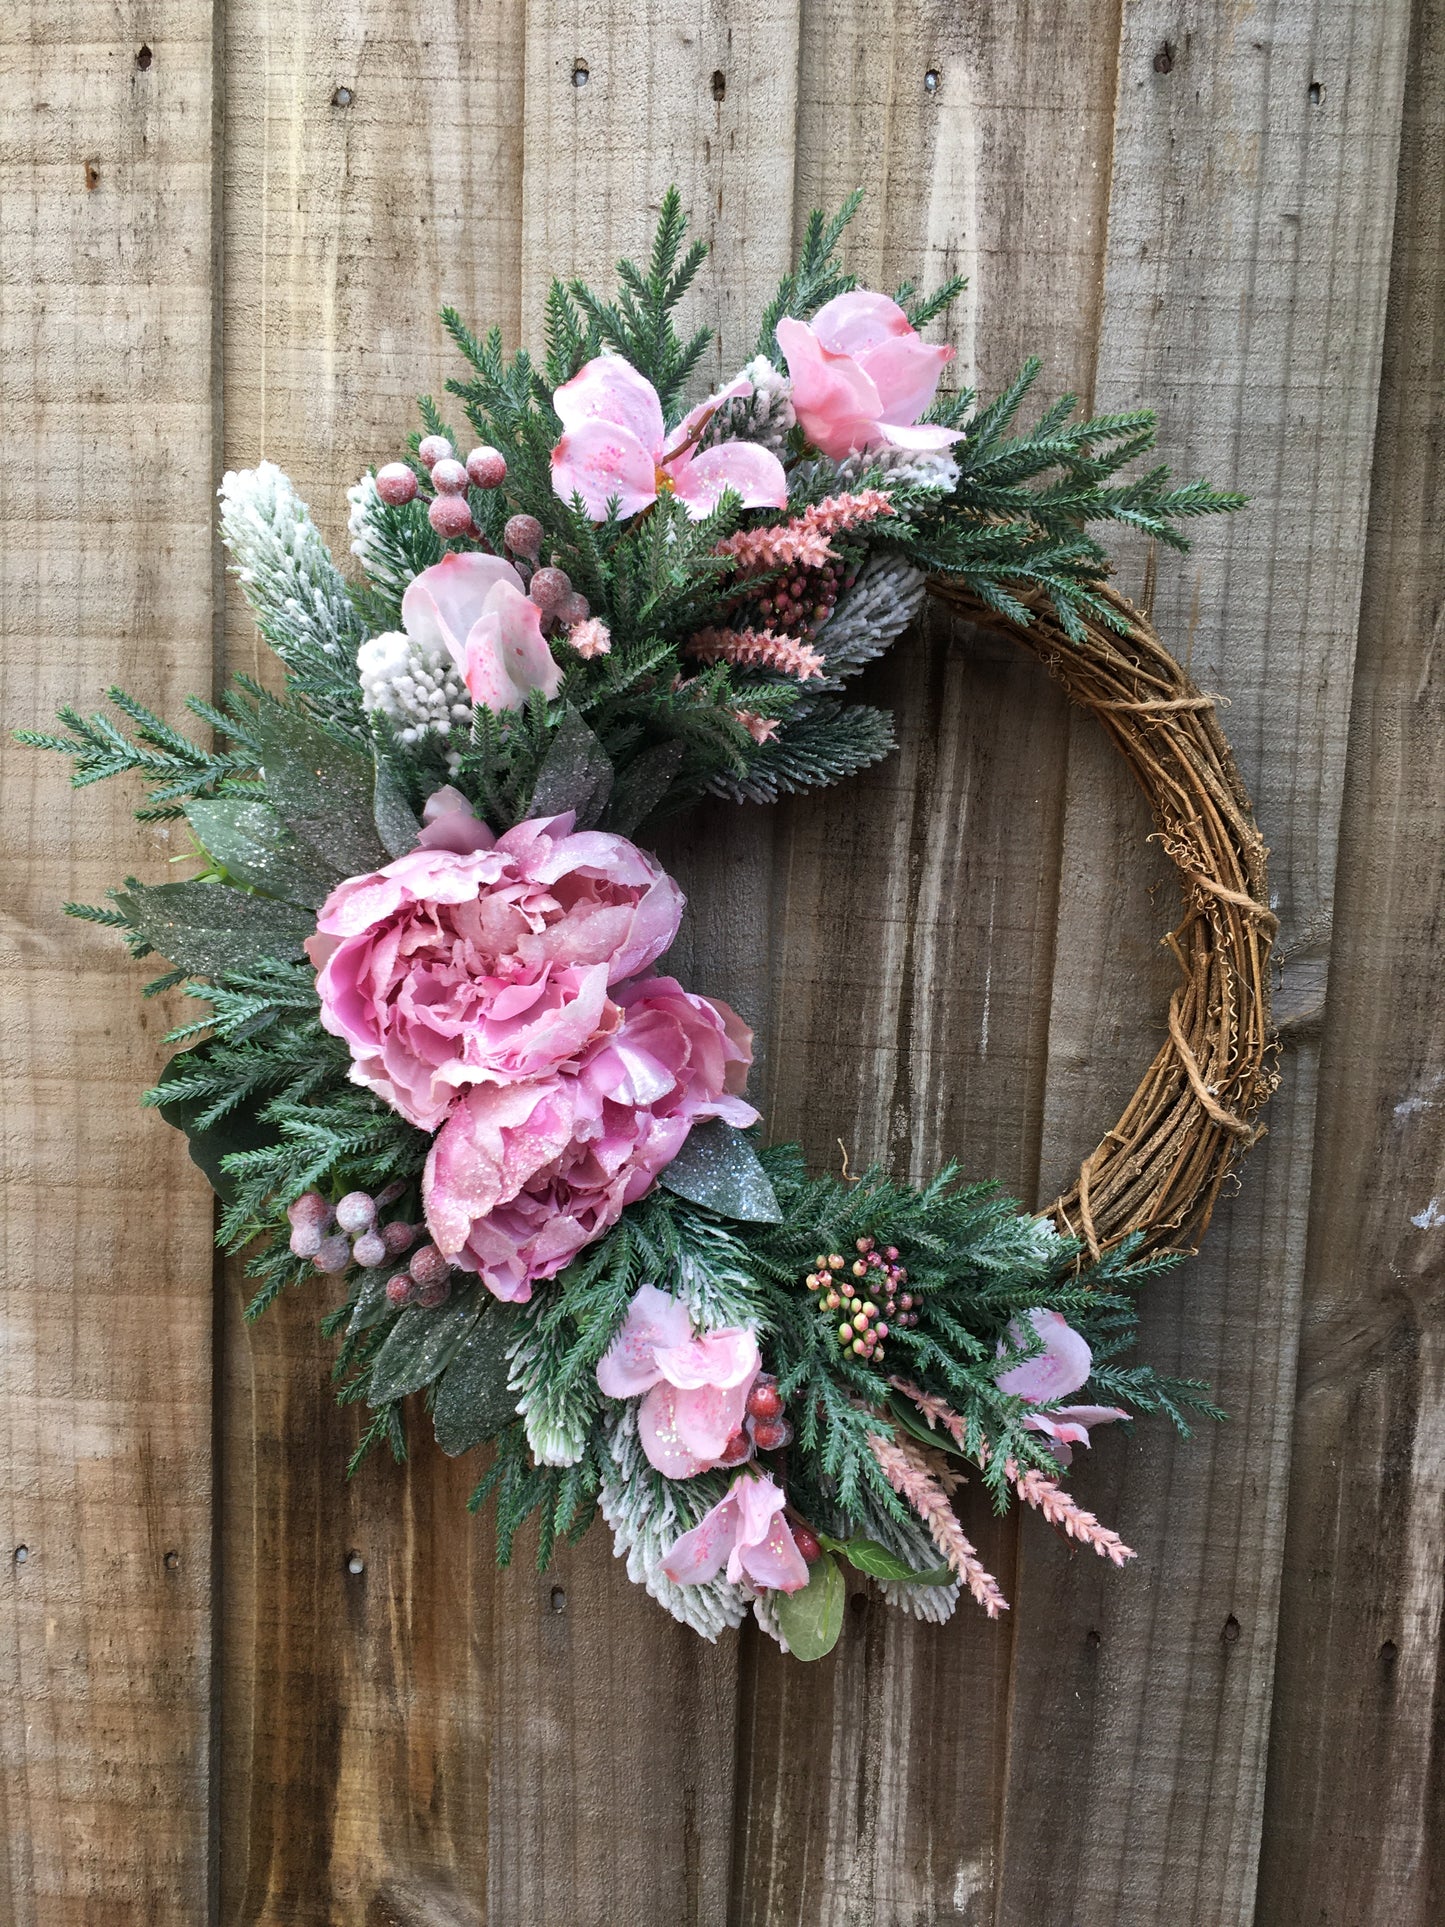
440 1068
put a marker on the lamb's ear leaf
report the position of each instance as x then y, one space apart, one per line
250 842
812 1618
718 1167
395 818
323 789
205 929
420 1346
473 1402
576 773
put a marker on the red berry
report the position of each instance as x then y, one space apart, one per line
450 517
487 467
356 1212
306 1240
433 449
335 1253
430 1296
770 1434
738 1449
428 1266
574 610
765 1400
549 589
448 477
523 535
806 1540
310 1208
396 484
398 1236
399 1289
370 1250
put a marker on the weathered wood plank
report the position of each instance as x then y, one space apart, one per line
1253 188
1354 1824
105 576
915 911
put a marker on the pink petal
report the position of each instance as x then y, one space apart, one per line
699 1554
609 389
852 323
484 670
766 1551
927 437
665 1441
525 655
835 401
752 472
696 417
905 370
443 602
629 1365
1061 1368
707 1417
599 462
450 823
725 1358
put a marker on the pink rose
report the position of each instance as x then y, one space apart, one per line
862 375
615 444
477 960
748 1530
523 1176
696 1388
1062 1367
476 609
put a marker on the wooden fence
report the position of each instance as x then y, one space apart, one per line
235 1688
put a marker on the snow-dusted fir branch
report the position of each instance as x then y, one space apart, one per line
765 415
886 596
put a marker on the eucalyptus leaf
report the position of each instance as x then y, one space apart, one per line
253 845
576 773
473 1402
718 1167
396 822
207 928
866 1555
322 789
812 1618
641 785
240 1130
420 1346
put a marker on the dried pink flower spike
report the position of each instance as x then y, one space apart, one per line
758 649
908 1471
591 638
762 729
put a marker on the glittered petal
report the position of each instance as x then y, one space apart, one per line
753 473
705 1418
905 370
600 462
926 437
698 1555
654 1320
663 1438
526 659
726 1358
1062 1367
442 603
609 389
852 323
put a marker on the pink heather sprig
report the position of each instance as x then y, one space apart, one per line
590 638
1035 1488
804 540
762 729
757 649
912 1478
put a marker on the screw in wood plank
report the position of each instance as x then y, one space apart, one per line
355 1563
930 81
581 73
21 1554
144 58
342 97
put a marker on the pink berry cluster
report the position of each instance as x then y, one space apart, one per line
801 600
335 1237
765 1426
450 512
867 1293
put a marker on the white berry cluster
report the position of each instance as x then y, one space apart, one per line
419 691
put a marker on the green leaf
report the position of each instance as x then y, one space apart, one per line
905 1415
253 845
866 1555
240 1130
718 1167
207 928
370 1305
322 789
641 786
473 1402
420 1346
812 1619
396 822
576 773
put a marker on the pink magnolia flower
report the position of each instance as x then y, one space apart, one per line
862 375
1062 1367
615 444
522 1176
696 1388
476 608
475 959
748 1530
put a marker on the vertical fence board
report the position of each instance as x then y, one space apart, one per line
1253 190
914 912
105 503
1354 1823
373 171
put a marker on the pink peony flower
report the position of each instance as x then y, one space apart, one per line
1062 1367
475 607
747 1529
615 444
862 375
696 1388
478 960
522 1176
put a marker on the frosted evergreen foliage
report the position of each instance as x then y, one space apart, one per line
871 616
765 416
298 595
648 1514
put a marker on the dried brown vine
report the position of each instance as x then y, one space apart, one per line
1161 1167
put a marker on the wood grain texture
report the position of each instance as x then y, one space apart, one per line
106 462
1354 1821
1249 233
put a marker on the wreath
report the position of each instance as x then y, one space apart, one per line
440 1069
